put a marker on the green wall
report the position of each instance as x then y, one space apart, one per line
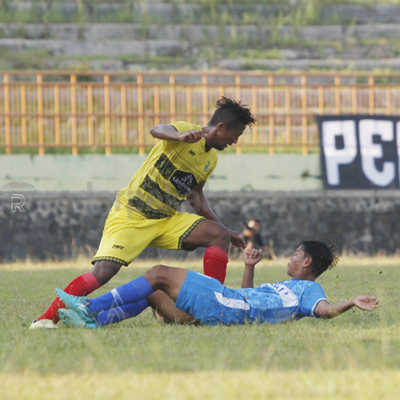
98 172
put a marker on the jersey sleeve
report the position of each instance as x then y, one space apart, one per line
182 126
310 298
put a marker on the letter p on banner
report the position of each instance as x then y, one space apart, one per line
359 151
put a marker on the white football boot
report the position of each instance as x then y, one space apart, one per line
43 324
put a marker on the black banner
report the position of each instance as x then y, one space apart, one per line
360 151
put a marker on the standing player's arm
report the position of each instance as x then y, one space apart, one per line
168 132
251 258
200 204
365 303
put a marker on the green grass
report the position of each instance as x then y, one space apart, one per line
354 356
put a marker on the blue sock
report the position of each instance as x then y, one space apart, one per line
118 314
131 292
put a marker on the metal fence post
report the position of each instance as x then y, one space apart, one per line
304 128
371 83
39 80
74 127
205 99
57 120
288 119
271 114
107 121
24 129
337 94
140 112
189 103
124 119
90 115
254 106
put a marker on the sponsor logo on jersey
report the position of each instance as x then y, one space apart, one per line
117 246
183 181
207 167
192 153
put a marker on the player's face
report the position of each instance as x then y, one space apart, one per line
296 265
225 137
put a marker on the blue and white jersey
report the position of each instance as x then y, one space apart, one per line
281 301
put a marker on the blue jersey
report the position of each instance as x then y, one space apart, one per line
281 301
213 303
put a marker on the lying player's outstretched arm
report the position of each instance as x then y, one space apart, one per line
200 204
251 258
168 132
365 303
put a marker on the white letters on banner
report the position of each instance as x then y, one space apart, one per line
360 152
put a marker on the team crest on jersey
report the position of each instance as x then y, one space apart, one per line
207 167
183 181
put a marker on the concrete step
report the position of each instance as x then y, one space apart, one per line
196 33
180 12
110 48
307 64
352 48
202 64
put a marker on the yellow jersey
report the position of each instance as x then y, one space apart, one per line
169 173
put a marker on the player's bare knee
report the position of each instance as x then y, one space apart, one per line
220 238
157 276
104 270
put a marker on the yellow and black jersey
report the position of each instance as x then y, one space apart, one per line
170 172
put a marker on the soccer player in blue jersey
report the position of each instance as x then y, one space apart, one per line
199 298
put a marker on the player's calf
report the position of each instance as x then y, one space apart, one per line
104 270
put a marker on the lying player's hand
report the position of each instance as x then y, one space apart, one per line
252 256
237 240
192 136
366 303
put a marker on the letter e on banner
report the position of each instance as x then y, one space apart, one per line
371 151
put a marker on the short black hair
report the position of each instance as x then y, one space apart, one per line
233 113
323 253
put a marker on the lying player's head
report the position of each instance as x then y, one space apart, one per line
322 253
230 120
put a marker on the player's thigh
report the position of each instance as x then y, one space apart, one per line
208 233
164 305
175 230
124 237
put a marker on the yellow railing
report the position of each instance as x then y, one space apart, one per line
78 110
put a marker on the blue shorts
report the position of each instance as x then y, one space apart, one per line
211 302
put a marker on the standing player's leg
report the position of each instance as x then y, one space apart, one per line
124 237
83 285
216 239
189 231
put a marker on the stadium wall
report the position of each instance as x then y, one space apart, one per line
69 224
98 172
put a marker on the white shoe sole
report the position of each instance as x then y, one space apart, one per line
43 324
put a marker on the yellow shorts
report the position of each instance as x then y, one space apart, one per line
127 234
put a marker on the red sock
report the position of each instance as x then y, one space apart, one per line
215 262
81 286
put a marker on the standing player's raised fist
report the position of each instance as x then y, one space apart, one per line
192 136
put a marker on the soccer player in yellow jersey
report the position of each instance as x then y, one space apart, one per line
145 213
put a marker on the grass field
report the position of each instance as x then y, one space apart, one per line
355 356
